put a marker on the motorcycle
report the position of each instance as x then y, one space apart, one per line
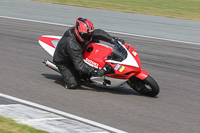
121 62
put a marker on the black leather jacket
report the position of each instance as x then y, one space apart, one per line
69 50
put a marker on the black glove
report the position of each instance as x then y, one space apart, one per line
98 72
115 38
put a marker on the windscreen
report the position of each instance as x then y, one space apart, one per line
119 52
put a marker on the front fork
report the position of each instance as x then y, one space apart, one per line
137 81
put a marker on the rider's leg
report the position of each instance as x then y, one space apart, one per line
70 76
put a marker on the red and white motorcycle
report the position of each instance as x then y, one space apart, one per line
121 62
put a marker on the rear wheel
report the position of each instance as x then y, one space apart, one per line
147 87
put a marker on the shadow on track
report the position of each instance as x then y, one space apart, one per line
120 90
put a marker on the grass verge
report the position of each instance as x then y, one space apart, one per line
8 125
183 9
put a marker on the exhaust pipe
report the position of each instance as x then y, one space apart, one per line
51 65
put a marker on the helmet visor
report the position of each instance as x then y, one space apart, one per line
86 36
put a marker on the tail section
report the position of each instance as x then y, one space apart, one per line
49 43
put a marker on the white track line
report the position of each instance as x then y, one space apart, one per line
43 22
108 128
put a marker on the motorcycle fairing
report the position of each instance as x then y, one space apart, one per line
114 82
129 61
49 43
96 54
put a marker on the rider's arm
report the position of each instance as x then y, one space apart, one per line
75 52
102 35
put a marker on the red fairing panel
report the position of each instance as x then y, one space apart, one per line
48 40
134 53
96 54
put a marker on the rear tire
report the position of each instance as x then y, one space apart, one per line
147 87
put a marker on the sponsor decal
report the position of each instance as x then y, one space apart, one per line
92 62
134 53
121 69
117 66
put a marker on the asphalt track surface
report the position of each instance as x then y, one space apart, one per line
175 66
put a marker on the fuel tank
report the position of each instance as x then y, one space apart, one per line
96 54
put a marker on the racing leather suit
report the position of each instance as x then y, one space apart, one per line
68 56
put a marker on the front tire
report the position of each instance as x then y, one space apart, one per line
147 87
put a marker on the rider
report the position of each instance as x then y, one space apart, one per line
68 54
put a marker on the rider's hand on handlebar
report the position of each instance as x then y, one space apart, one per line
98 72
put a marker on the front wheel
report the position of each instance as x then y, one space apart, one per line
147 87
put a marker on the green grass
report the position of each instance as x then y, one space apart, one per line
183 9
10 126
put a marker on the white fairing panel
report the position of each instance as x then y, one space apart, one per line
114 82
49 43
48 48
